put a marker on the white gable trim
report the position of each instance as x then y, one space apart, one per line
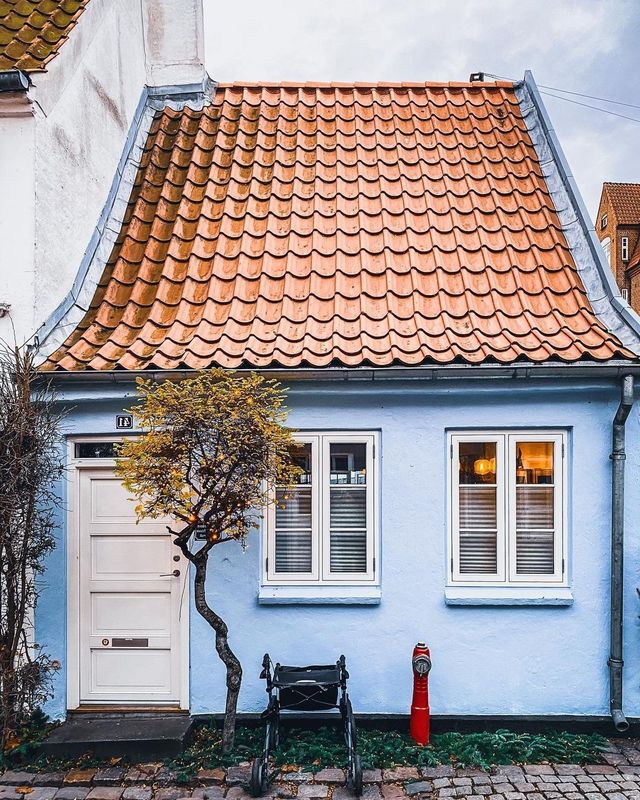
609 306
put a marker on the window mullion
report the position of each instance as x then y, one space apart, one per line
320 535
558 505
372 556
502 489
510 494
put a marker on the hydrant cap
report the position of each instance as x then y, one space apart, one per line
422 665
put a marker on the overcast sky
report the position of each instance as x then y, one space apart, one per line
589 46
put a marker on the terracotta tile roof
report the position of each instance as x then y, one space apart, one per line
33 31
356 225
625 202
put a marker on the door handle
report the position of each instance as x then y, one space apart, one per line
174 574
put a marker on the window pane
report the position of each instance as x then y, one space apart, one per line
348 508
477 462
293 508
534 462
294 519
293 551
534 507
535 515
534 552
301 457
95 450
348 464
478 552
348 551
478 507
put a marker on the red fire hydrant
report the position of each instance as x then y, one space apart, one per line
420 715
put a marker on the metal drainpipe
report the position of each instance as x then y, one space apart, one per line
618 457
14 80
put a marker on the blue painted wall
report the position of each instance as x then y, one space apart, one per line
487 660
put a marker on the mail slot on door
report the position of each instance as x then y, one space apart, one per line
122 642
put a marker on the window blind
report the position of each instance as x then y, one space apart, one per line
535 532
478 530
348 529
293 534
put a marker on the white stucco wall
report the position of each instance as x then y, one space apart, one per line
174 36
60 163
89 96
17 221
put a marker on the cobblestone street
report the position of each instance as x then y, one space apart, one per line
616 780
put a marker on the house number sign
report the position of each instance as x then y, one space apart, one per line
124 421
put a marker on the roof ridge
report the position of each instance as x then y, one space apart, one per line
365 84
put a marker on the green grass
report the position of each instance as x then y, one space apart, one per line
324 747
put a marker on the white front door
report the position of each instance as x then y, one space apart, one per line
132 599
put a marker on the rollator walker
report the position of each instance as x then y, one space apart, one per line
306 689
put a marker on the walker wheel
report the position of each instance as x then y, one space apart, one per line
259 782
356 775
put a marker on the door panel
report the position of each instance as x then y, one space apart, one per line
130 601
129 557
117 672
129 614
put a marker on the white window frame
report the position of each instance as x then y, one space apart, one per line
624 248
506 456
321 575
606 246
468 577
604 221
270 563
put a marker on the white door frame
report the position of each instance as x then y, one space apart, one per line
74 465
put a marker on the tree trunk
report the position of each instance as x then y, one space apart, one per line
8 711
234 669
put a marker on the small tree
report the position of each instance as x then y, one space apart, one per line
211 448
30 463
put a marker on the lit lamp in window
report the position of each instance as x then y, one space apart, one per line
482 466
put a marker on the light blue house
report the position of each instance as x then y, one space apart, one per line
415 263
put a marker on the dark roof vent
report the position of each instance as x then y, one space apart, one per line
476 77
13 80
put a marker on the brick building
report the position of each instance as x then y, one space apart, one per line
618 228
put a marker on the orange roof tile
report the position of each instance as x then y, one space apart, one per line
33 31
357 225
625 202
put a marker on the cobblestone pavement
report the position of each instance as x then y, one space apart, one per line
618 779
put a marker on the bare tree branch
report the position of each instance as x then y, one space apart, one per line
30 464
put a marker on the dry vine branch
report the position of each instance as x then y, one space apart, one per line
30 464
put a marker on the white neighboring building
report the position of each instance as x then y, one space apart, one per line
62 135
